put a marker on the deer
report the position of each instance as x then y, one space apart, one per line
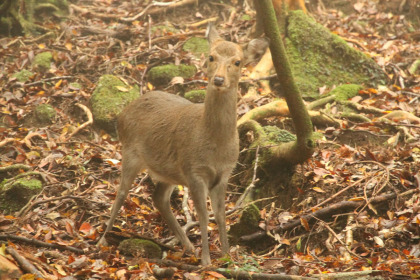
183 143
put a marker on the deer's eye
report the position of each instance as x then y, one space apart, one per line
237 63
211 58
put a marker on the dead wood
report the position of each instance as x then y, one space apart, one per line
9 269
40 243
327 212
24 263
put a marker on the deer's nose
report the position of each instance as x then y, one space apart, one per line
218 81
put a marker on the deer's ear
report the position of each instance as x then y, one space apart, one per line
255 50
212 34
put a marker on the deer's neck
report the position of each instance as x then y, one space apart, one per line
220 112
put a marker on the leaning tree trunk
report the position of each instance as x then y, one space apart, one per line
302 148
19 16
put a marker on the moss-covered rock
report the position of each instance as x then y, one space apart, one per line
42 61
162 75
140 248
23 76
248 223
109 99
197 46
45 114
196 96
320 58
14 194
346 92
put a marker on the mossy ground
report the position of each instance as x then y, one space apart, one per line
108 100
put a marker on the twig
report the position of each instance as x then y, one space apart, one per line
42 81
24 263
253 182
6 141
40 243
15 166
28 137
337 194
85 124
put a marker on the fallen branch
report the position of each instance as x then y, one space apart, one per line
85 124
328 212
6 141
24 263
229 272
40 243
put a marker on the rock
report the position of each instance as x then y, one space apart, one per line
196 96
162 75
197 46
45 114
42 61
140 248
320 58
109 99
23 76
15 194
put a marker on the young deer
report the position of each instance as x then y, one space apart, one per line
181 143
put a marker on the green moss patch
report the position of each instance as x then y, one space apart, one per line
196 96
109 99
320 58
45 114
16 194
23 76
42 61
162 75
197 46
140 248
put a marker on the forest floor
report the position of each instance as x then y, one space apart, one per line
82 170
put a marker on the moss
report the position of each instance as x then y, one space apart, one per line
277 135
164 28
345 92
15 195
23 76
162 75
320 58
45 114
42 61
196 96
109 99
197 46
248 223
75 86
140 248
245 17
